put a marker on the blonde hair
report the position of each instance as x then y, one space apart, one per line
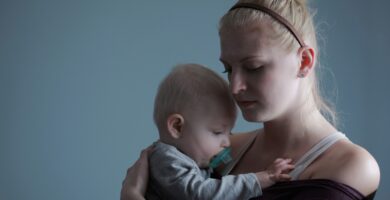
186 88
298 14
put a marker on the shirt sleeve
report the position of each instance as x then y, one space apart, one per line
176 176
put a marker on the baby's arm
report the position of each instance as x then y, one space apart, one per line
180 178
190 184
278 171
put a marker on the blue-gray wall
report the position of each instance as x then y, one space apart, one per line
78 78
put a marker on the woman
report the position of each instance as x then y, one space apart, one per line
269 51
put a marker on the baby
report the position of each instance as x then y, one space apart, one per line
194 112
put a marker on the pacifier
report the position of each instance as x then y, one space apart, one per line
222 157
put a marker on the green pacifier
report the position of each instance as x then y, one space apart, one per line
221 157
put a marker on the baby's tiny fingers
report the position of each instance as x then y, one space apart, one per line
278 160
287 167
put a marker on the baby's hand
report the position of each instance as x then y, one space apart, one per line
278 171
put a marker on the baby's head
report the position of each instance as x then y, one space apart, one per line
195 112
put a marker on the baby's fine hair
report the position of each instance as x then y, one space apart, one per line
186 88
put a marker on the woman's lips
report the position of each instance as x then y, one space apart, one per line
246 104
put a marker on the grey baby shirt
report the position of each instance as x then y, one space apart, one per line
174 175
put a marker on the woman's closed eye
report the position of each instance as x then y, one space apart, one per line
253 68
227 70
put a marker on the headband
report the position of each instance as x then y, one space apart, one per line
273 14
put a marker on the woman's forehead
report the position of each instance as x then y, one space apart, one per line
239 44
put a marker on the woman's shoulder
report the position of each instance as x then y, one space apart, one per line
350 164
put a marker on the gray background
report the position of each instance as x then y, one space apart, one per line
78 78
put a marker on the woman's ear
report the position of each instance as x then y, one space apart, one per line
175 124
307 56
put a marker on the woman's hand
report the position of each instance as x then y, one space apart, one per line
136 181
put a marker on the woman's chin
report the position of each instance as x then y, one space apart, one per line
253 117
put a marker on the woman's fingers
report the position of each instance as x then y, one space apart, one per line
136 180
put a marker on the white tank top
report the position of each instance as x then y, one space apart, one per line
302 163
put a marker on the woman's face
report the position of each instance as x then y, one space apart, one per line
262 74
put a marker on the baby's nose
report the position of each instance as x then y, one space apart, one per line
226 142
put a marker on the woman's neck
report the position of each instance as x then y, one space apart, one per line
295 131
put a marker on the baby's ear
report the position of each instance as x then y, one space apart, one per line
175 125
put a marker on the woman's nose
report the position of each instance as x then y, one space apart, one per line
237 83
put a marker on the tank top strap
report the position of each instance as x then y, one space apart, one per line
314 152
229 167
